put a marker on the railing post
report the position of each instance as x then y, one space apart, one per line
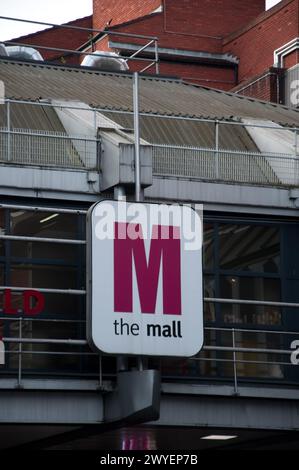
95 124
20 355
235 362
296 181
8 125
217 149
157 57
138 190
97 144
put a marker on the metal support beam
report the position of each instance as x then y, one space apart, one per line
136 399
229 412
43 209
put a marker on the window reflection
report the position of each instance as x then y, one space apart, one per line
50 277
252 364
249 248
209 291
44 362
208 246
49 251
43 224
2 231
250 288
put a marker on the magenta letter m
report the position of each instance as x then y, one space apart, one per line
165 249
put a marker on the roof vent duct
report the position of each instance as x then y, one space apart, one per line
105 61
3 51
22 52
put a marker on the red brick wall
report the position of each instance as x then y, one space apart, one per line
120 11
256 43
196 24
200 74
154 26
291 59
264 87
210 17
209 76
60 38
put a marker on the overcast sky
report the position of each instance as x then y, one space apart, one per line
52 11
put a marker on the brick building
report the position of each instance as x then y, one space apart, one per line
224 44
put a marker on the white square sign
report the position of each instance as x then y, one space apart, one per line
144 293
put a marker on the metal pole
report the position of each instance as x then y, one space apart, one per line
121 361
138 193
95 124
217 149
157 57
235 363
119 193
20 355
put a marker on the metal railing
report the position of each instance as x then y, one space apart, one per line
233 354
214 163
57 149
236 166
47 148
95 35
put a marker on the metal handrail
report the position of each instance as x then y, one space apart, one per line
92 40
71 51
76 342
171 116
206 299
51 148
234 350
43 209
158 115
225 151
49 134
64 241
259 168
260 303
45 290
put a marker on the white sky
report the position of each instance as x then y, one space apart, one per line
53 11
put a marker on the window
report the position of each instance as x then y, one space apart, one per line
249 248
250 288
50 266
242 261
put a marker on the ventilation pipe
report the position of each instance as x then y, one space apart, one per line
3 51
22 52
104 60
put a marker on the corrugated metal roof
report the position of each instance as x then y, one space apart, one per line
114 91
188 133
26 116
